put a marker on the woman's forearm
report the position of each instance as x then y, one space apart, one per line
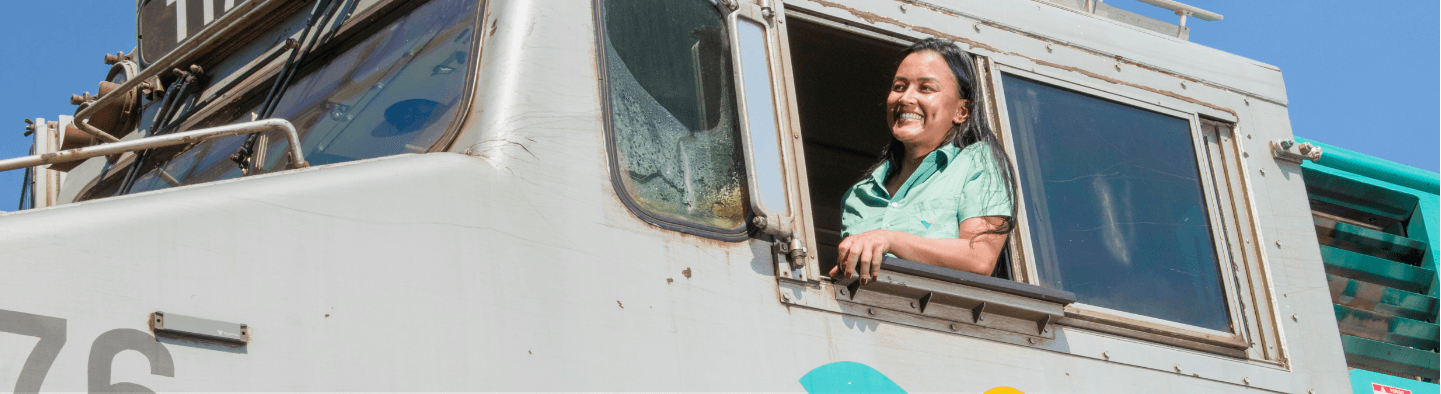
975 251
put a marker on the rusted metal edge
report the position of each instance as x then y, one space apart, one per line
162 141
873 18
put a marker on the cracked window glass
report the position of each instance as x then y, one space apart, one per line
673 111
393 91
1115 205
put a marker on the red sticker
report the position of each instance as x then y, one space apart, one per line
1384 389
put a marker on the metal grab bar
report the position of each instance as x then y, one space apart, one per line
161 141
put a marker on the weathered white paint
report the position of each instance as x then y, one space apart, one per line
518 269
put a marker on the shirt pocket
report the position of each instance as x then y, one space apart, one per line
936 218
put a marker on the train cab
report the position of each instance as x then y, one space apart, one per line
647 195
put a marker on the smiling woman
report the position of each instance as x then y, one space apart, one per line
942 192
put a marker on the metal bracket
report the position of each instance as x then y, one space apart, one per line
199 328
1289 150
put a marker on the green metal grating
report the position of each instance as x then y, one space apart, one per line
1370 296
1376 223
1341 262
1388 358
1386 328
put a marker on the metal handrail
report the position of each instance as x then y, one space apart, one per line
1184 10
162 141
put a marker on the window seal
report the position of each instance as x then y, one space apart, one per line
739 234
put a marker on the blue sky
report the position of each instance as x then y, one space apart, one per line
1359 75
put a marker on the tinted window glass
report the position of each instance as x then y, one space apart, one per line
1115 205
673 111
394 91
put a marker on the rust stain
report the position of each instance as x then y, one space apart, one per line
873 19
686 272
669 280
622 306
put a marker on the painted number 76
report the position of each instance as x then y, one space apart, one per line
51 331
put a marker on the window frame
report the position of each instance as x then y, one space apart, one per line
1236 343
1257 342
741 233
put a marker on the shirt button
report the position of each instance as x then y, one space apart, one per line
895 205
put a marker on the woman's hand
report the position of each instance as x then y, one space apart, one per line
861 254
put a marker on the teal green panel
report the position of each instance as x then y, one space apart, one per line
1369 242
1361 381
1377 168
1393 359
848 377
1423 226
1341 262
1377 298
1386 328
1333 187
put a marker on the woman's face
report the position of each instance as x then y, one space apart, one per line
924 102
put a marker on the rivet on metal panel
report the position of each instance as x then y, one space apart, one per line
1245 154
1246 100
903 8
977 26
1031 340
1178 368
1183 84
871 311
1310 391
1295 318
1049 48
1247 381
1278 243
913 304
785 298
843 291
1263 171
1118 66
796 136
1107 355
955 327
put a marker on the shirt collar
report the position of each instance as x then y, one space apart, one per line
942 156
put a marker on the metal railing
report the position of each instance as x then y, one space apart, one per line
161 141
1181 9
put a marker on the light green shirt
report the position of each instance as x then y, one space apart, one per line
950 186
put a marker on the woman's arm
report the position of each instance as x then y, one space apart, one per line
974 251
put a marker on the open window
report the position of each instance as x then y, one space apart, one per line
841 76
1134 216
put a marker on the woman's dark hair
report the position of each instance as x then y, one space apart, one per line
975 130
